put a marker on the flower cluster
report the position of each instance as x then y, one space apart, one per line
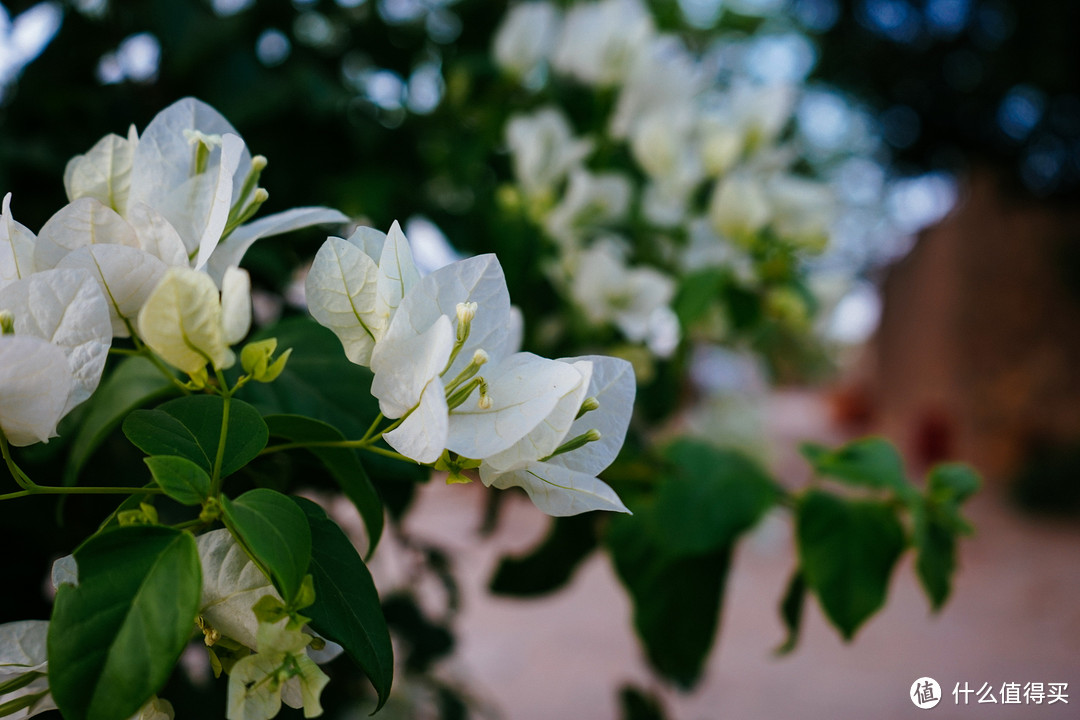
447 371
149 247
694 166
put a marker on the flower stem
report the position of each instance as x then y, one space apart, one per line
226 396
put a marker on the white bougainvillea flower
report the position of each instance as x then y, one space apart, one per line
22 652
188 324
16 246
563 481
354 286
608 290
802 209
104 172
599 40
456 384
591 200
739 207
155 709
663 77
525 40
279 670
52 352
232 584
543 150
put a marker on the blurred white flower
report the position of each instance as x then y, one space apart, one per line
543 150
599 40
739 207
525 40
591 200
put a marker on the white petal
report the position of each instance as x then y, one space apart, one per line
422 435
164 159
16 247
370 240
478 279
235 305
250 696
156 235
155 709
221 198
524 389
79 224
397 272
557 490
181 321
65 571
103 173
34 387
66 308
341 290
550 433
231 251
404 368
127 276
613 385
22 647
231 584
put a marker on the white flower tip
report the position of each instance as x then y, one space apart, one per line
260 195
592 436
466 311
480 357
484 403
258 163
195 137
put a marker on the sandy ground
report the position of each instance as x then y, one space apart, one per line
1013 617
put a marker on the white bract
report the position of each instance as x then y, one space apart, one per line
355 286
231 585
176 197
592 200
599 40
557 463
22 653
188 324
16 246
52 350
525 40
543 151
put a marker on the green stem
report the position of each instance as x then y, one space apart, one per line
371 429
16 472
226 396
146 352
354 444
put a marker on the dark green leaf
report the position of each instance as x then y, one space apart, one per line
549 565
115 637
676 599
638 705
191 428
343 464
275 532
710 497
346 608
181 479
847 550
318 381
134 383
870 462
935 561
698 291
952 482
791 608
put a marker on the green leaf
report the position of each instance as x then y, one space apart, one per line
318 382
791 608
181 479
275 533
847 550
346 608
342 463
115 637
952 482
639 705
935 560
548 566
134 383
698 291
676 599
869 462
710 497
190 427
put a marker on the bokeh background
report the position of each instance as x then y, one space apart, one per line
956 331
